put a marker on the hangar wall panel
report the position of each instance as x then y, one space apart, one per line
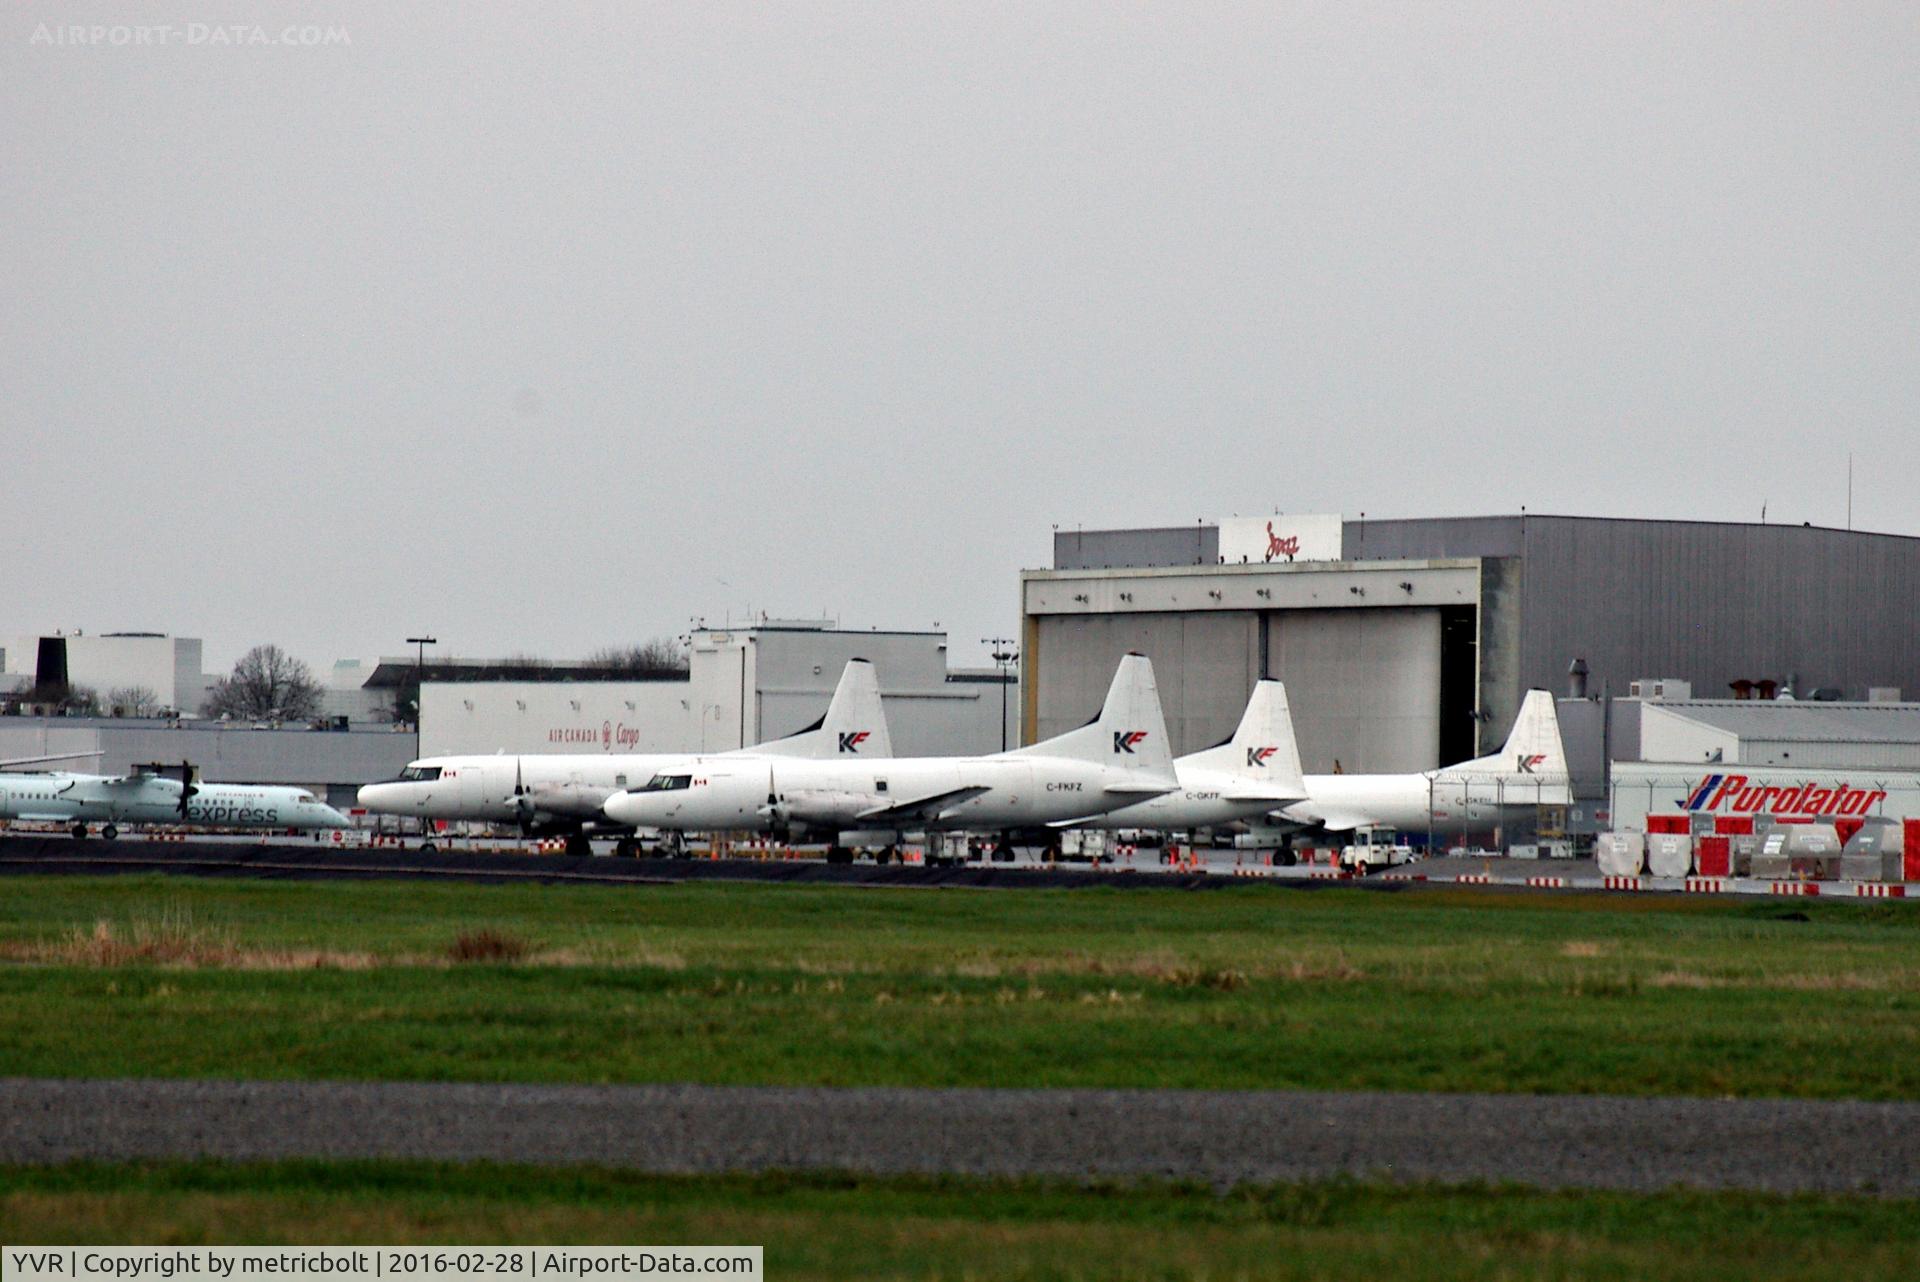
1712 603
1364 686
1205 664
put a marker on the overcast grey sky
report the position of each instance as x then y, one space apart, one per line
551 329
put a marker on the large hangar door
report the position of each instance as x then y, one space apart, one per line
1364 686
1204 663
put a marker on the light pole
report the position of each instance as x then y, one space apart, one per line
1004 656
419 672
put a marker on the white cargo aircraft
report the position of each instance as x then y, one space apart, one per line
1117 759
1252 773
146 796
1530 770
555 793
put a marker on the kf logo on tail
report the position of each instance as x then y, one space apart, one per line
1527 764
1124 740
850 740
1258 756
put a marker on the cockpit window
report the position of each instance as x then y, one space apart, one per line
666 783
419 774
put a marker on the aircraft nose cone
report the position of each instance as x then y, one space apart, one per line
373 794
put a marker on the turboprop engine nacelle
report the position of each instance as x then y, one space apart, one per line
572 800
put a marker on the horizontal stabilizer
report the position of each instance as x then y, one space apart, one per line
1275 799
10 762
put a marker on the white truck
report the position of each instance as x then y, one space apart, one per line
1374 847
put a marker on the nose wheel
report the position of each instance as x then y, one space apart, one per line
108 832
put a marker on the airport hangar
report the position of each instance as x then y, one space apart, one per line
1407 644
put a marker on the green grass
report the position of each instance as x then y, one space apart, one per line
827 1227
1247 987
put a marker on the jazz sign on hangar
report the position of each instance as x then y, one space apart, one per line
1267 539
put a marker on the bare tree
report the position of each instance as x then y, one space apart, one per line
662 654
268 684
133 701
62 698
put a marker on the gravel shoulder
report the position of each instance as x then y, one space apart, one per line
1222 1138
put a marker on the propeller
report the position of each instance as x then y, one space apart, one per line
187 788
520 800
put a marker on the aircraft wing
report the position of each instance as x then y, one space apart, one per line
1248 796
923 808
1338 822
1139 789
11 762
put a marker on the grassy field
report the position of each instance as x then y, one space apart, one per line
836 1228
1244 987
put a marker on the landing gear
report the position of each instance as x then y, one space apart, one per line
578 846
672 845
839 855
627 848
79 832
886 855
1002 852
428 848
108 832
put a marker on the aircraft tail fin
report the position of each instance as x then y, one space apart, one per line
1533 747
1130 732
855 724
1263 749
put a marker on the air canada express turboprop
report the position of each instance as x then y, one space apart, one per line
1117 759
145 796
1255 771
1530 770
563 793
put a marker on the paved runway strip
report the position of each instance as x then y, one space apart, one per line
1217 1136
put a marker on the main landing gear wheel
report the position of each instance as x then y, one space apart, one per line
839 855
578 845
885 855
1002 853
109 832
627 848
79 832
428 848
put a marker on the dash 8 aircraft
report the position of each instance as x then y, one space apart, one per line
555 793
1117 759
146 796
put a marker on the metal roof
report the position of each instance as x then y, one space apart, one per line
1804 721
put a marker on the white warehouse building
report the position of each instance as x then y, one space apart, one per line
743 686
164 668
